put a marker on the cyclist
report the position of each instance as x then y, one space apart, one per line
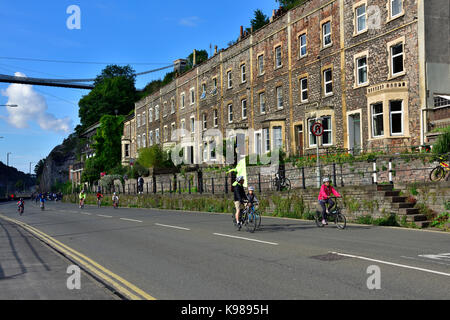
82 198
324 198
42 201
251 197
115 200
99 198
239 197
21 206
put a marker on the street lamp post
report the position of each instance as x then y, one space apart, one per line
9 105
7 158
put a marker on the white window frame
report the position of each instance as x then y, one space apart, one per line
144 119
230 114
262 103
229 79
325 35
144 141
150 138
172 106
156 112
157 139
192 96
266 139
205 121
211 145
392 16
325 82
183 127
216 118
244 102
374 115
173 128
392 56
139 141
274 142
278 57
150 115
243 73
357 19
390 118
138 120
305 45
357 67
192 124
261 64
330 130
278 90
303 90
310 123
183 100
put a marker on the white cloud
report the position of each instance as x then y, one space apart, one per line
189 21
32 107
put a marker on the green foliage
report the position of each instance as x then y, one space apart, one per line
447 205
289 4
423 209
19 185
441 220
387 220
364 219
39 167
92 169
442 144
108 147
114 90
200 56
64 187
259 20
413 189
155 157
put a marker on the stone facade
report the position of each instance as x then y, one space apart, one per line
354 65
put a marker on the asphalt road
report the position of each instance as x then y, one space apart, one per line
188 255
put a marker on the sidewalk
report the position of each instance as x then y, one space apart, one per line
29 270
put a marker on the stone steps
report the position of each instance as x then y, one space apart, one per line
385 187
408 211
400 205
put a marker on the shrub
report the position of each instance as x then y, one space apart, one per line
441 220
365 219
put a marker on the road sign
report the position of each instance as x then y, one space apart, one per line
317 129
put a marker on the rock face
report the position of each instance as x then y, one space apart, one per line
56 168
9 176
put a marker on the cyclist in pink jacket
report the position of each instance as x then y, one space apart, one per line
324 198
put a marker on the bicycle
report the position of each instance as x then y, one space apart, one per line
20 210
248 217
335 213
99 202
440 171
82 204
281 183
115 204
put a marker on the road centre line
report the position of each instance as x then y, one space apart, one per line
175 227
102 215
130 220
242 238
86 213
392 264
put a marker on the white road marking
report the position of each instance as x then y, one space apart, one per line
242 238
130 220
440 256
393 264
175 227
86 213
101 215
425 260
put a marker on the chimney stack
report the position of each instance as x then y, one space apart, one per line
194 59
179 65
242 32
215 49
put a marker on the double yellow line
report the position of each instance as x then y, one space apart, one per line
122 286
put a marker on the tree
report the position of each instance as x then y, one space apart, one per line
200 56
259 20
91 172
107 145
154 157
442 144
114 90
19 185
39 167
289 4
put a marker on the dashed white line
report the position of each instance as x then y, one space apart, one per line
175 227
248 239
392 264
102 215
130 220
86 213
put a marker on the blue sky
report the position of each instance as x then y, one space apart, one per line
136 32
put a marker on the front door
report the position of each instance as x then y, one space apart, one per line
299 139
354 128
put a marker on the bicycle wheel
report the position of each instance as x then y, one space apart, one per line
258 219
340 221
437 174
287 183
318 218
251 222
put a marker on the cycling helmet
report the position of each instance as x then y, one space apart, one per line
240 178
251 189
326 180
